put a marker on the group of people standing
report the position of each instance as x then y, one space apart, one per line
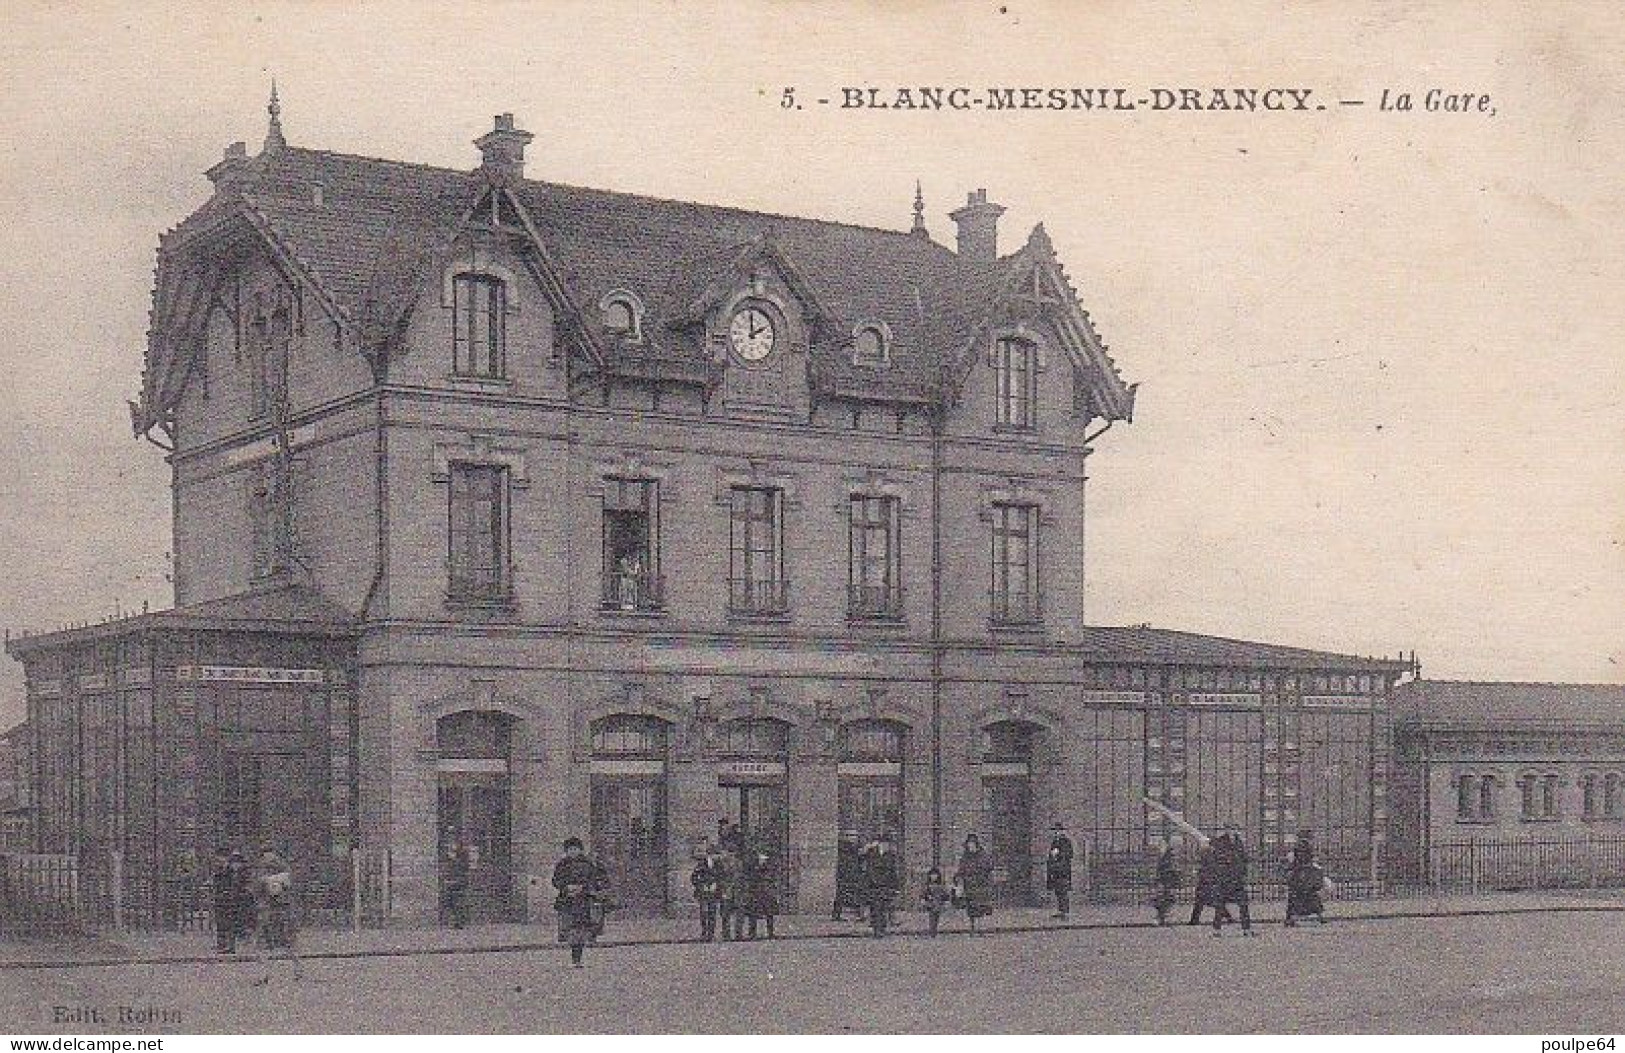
252 901
736 883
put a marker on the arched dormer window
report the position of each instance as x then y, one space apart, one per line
871 345
479 332
623 315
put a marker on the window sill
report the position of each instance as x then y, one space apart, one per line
1464 821
878 621
999 625
638 613
774 617
461 380
1540 819
1015 429
501 605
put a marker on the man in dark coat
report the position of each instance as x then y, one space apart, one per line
1305 883
759 874
1168 879
1207 882
883 878
707 892
1058 871
848 876
1230 881
580 883
233 893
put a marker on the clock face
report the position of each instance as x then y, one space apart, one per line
751 334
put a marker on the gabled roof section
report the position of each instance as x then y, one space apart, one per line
1002 291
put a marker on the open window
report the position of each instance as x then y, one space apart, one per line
632 579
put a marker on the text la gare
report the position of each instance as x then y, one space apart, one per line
1436 100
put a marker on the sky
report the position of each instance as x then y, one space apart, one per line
1379 352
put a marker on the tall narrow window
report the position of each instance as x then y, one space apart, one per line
1015 363
1466 800
756 582
270 519
1588 796
1486 797
1528 797
632 545
1549 797
477 317
479 531
874 569
1613 802
1015 564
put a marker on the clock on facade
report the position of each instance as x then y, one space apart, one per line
751 334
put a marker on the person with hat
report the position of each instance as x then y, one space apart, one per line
883 878
1058 871
580 884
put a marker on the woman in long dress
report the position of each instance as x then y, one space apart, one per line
974 880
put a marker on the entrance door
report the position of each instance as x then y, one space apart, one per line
761 811
1010 818
475 805
871 807
629 839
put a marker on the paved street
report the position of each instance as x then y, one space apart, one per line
1545 972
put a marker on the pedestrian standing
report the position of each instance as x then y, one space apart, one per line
1058 871
275 905
1206 883
848 876
935 898
580 885
1168 881
730 892
883 879
1230 881
454 881
973 881
760 876
707 892
1305 883
233 895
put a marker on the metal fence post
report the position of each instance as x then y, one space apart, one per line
1472 865
115 878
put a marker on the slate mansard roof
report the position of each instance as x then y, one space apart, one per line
366 233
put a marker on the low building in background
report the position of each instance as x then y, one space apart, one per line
1506 785
16 789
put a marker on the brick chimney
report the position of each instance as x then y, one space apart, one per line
502 150
978 224
232 165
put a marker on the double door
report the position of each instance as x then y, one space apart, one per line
1010 821
761 812
629 840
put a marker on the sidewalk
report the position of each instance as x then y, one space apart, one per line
152 948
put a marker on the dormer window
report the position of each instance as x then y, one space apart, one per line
1015 362
870 346
623 315
479 307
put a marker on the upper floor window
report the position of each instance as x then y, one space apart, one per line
623 316
1016 368
632 545
1613 801
478 533
874 559
1015 591
479 310
756 582
869 346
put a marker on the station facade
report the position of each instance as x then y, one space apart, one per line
521 511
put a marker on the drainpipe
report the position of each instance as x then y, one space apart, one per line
936 637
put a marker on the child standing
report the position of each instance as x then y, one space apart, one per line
935 897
